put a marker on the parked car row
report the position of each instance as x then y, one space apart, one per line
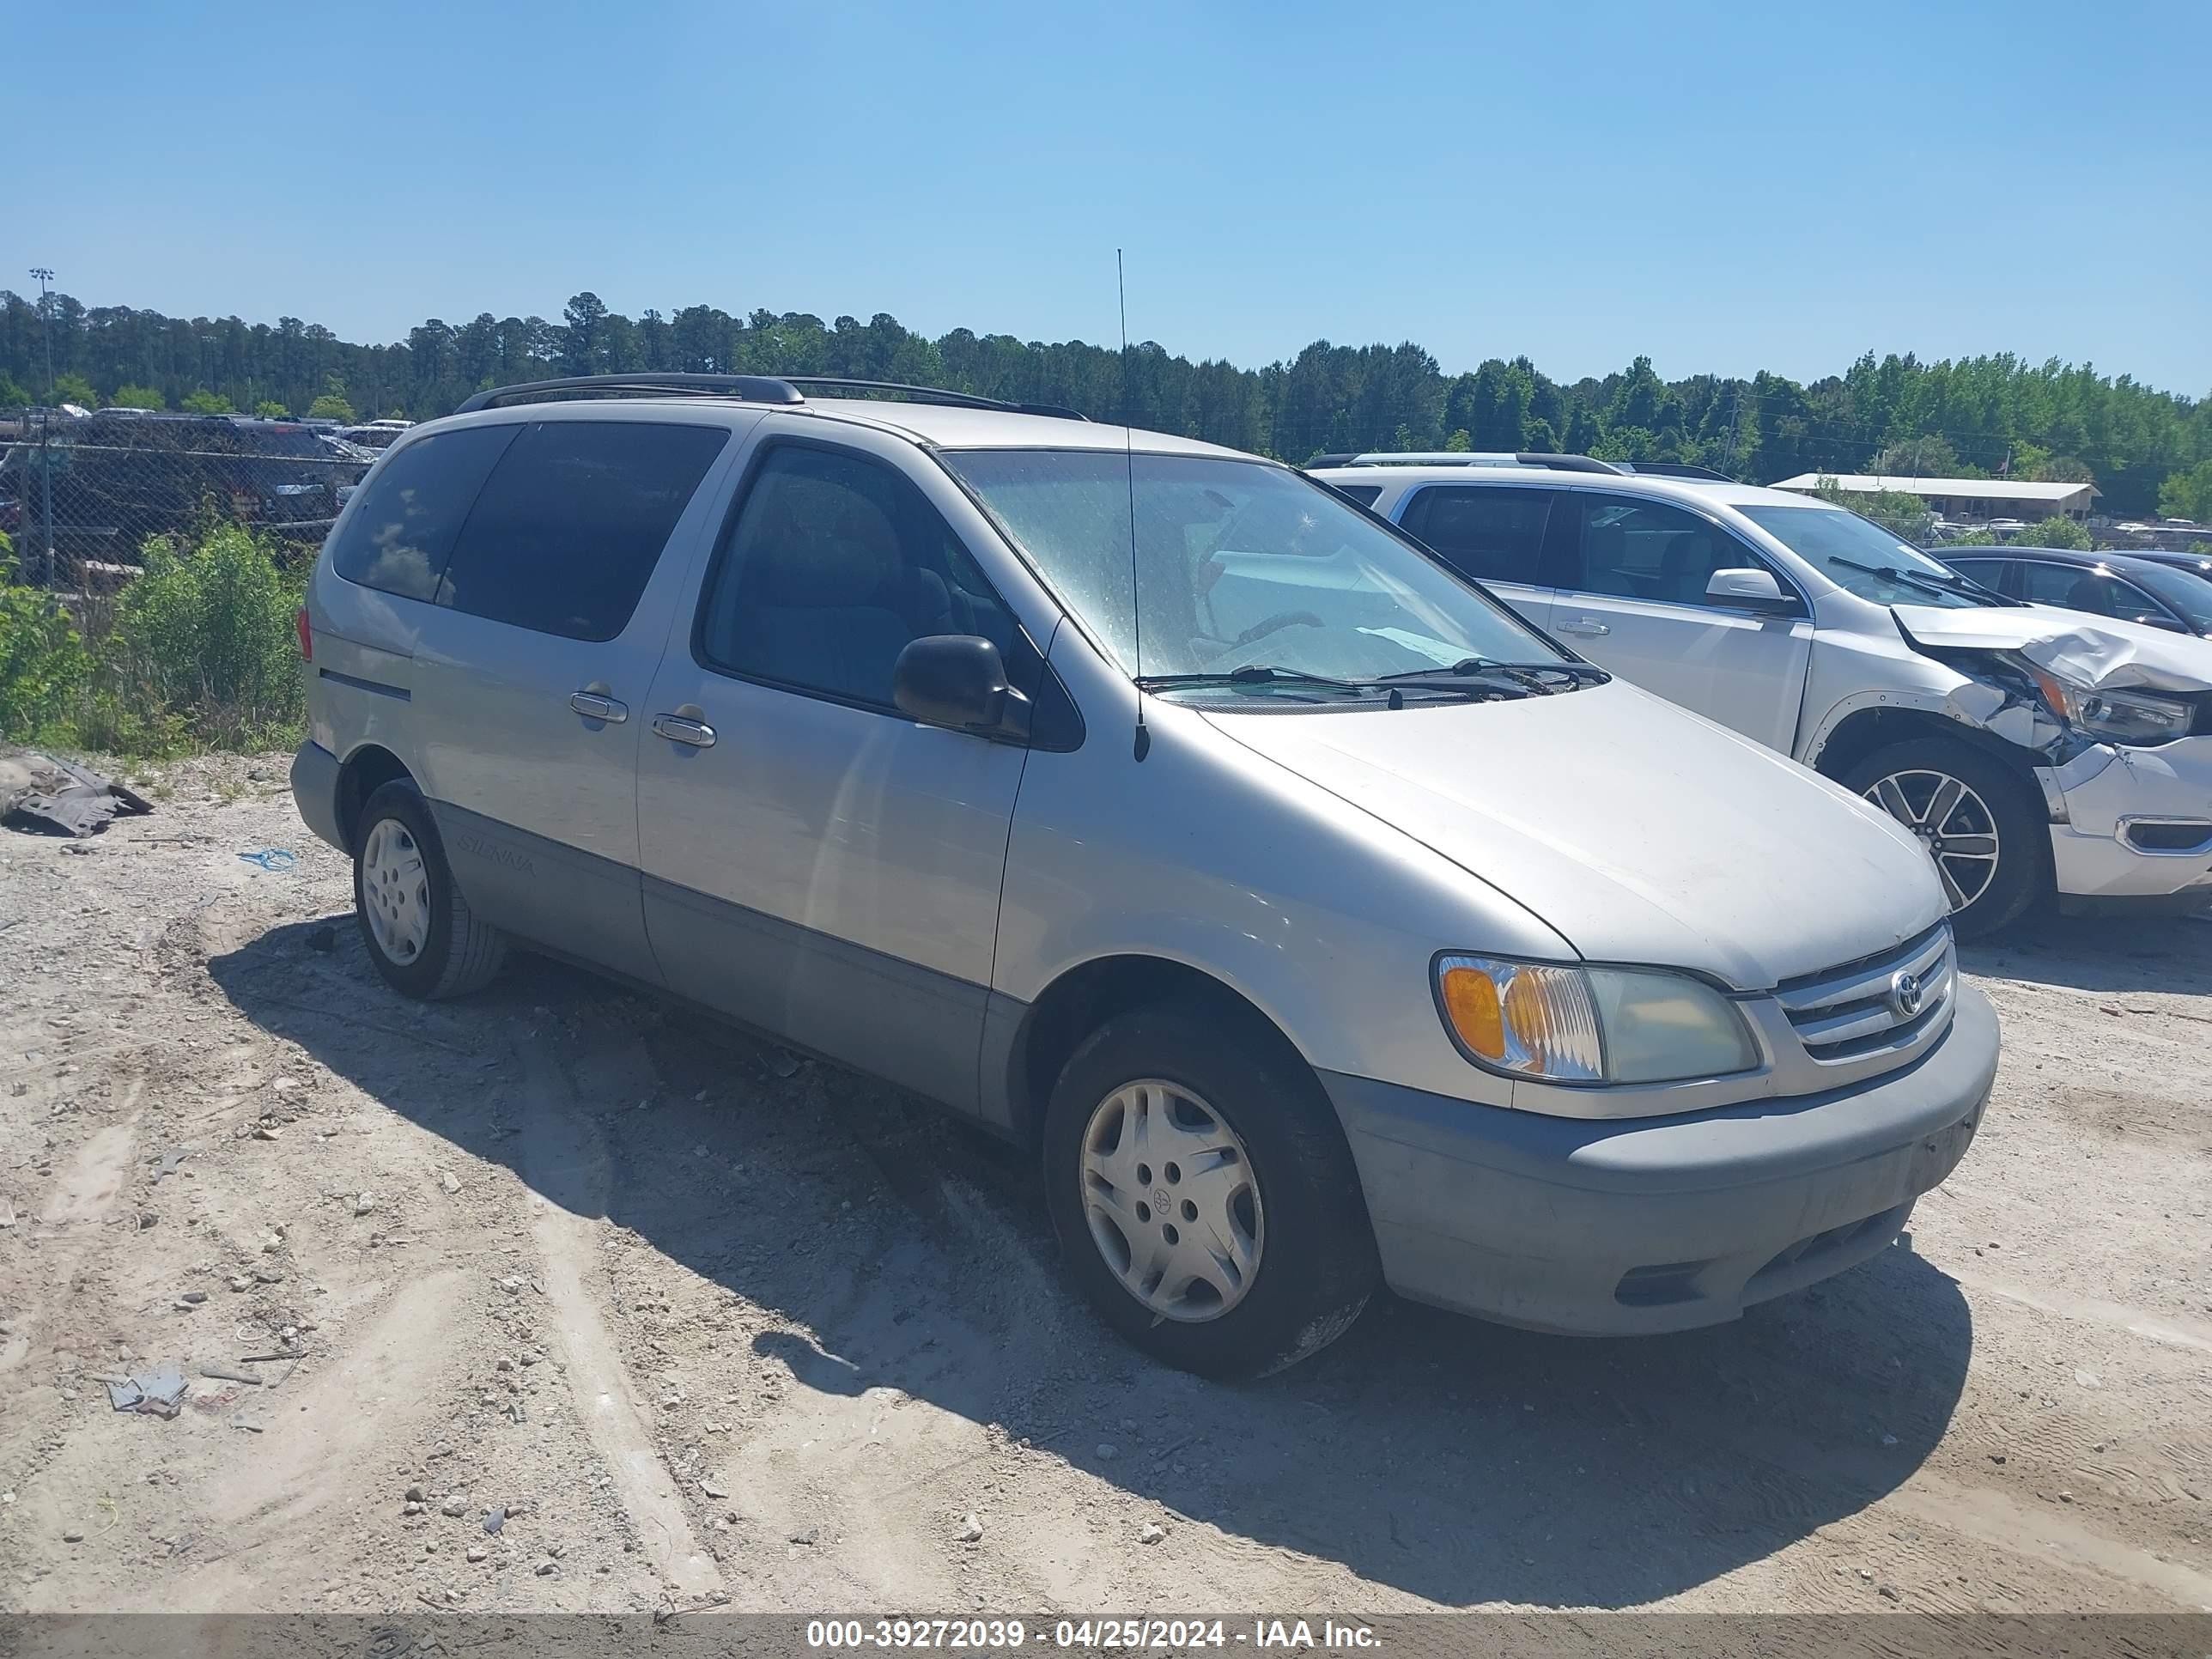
107 480
1318 919
2034 753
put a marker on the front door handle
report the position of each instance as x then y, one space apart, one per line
597 706
1591 626
680 728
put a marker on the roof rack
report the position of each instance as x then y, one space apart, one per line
744 388
1466 458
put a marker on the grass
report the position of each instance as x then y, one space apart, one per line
197 653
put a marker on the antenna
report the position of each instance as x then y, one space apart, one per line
1144 743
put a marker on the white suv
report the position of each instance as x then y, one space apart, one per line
2032 750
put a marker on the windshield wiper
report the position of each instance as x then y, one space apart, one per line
1252 673
1262 673
1922 580
1527 675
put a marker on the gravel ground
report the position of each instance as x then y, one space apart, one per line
692 1323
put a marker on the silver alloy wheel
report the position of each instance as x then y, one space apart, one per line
1173 1208
1954 823
395 891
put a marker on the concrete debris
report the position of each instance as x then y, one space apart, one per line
971 1530
1152 1533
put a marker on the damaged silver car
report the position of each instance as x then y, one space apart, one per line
2035 752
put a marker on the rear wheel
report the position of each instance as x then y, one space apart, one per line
420 932
1981 823
1203 1194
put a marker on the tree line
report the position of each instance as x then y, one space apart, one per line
1989 415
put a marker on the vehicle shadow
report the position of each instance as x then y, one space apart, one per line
1453 1460
2097 953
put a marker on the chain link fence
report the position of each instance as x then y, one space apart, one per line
80 495
158 562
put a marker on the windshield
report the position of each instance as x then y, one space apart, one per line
1838 543
1236 563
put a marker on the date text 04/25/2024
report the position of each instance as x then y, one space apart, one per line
1144 1635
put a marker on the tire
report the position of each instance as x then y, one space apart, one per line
451 952
2011 817
1313 1266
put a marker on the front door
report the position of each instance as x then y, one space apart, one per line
1631 598
816 864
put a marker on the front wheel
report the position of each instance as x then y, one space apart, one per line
1203 1194
1983 825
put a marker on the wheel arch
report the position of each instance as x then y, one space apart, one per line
363 772
1084 997
1864 732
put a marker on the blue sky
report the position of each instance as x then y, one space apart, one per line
1725 188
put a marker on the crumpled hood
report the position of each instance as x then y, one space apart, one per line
2094 651
1641 833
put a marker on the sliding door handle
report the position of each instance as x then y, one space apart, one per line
596 706
679 728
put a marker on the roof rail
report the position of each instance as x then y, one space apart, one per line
747 388
1467 457
744 388
932 394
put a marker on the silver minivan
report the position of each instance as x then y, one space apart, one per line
1319 923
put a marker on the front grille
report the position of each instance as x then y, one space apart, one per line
1847 1012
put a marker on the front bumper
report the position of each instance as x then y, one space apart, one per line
2096 865
1641 1226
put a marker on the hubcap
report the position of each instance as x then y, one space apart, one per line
1169 1197
395 891
1954 823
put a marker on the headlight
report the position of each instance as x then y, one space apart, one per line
2131 717
1585 1025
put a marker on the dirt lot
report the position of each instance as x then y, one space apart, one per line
714 1326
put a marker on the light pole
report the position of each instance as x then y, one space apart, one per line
45 277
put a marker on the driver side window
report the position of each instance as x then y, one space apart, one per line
1645 550
834 565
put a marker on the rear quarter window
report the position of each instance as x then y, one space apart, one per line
403 525
567 530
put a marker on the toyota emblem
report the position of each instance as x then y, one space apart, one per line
1906 993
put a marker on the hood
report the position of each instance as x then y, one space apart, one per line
2089 651
1639 832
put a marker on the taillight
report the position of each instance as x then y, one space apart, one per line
307 637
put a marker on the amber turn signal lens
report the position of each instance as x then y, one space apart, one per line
1471 1002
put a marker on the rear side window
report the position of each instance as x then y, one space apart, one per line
2077 589
1492 535
567 529
403 527
1364 494
1989 573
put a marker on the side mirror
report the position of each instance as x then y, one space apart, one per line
2159 619
958 680
1748 589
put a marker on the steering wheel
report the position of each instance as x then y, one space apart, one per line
1280 620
